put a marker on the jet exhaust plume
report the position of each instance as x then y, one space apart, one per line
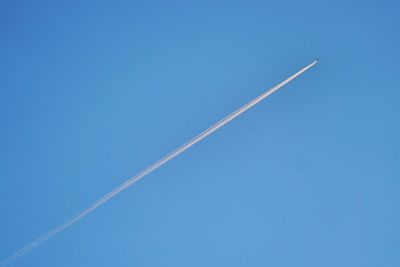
151 168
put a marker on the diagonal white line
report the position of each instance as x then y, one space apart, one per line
151 168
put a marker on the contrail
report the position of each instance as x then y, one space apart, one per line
150 169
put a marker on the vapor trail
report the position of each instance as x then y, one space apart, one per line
150 169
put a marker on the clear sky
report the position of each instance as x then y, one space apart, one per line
91 92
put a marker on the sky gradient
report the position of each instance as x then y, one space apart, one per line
92 92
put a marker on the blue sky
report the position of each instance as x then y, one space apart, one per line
92 92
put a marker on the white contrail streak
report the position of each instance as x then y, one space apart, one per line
151 168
